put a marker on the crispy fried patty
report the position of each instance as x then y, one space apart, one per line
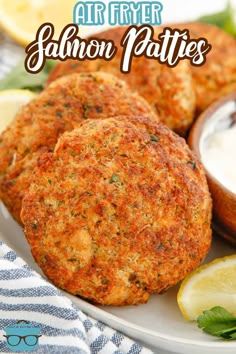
59 108
217 76
120 210
170 91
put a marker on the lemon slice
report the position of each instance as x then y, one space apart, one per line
212 284
22 18
10 103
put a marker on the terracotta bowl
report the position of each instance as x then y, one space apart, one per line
218 116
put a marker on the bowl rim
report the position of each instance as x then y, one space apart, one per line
196 133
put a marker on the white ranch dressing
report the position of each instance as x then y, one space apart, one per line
218 155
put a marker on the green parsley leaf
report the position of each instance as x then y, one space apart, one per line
154 137
114 178
19 78
218 322
193 164
223 19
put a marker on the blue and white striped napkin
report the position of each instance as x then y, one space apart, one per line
26 296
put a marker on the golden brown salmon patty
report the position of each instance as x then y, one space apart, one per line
61 107
120 210
217 76
170 91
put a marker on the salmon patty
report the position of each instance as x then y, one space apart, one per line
217 76
119 210
59 108
170 91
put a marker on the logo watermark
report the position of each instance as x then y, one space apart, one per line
22 337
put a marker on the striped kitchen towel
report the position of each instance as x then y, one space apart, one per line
35 316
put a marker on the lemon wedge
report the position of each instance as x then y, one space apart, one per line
10 103
22 18
212 284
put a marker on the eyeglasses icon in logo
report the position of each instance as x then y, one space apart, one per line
22 337
29 340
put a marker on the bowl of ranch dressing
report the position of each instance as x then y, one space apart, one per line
213 138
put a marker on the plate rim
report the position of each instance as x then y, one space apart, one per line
201 344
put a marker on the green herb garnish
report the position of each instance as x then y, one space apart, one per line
114 178
154 137
218 322
99 109
193 164
34 225
19 78
223 19
86 108
27 151
59 114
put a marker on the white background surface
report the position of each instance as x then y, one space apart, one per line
182 10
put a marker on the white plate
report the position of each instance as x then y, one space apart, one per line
158 324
